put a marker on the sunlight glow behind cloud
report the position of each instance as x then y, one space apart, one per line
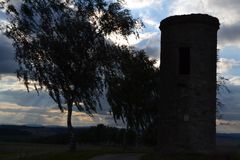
225 65
137 4
17 106
11 113
224 126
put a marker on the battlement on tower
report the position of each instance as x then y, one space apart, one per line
190 18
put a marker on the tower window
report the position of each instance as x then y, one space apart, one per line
184 60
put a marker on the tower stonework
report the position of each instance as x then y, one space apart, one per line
187 112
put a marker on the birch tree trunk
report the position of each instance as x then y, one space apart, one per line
72 140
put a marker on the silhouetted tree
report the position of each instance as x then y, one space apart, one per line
61 47
221 87
133 95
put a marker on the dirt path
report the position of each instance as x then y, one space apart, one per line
118 157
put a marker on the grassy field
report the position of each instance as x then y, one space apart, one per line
78 155
232 156
15 151
20 151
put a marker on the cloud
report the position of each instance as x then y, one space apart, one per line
14 91
225 65
10 82
179 7
235 80
137 4
229 34
226 122
11 113
151 44
24 98
17 106
147 20
225 126
7 63
226 10
148 41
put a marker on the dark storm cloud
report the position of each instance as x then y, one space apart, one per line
230 33
7 63
228 13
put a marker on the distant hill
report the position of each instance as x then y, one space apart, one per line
99 134
228 139
96 135
14 133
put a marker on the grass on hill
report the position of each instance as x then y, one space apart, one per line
67 155
19 151
220 156
15 151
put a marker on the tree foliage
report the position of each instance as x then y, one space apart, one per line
61 46
134 94
221 87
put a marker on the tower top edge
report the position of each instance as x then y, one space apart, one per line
190 18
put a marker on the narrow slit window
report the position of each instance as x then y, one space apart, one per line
184 60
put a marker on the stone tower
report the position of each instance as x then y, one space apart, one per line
188 82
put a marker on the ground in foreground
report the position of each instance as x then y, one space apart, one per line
20 151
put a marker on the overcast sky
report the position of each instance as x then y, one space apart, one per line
17 106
